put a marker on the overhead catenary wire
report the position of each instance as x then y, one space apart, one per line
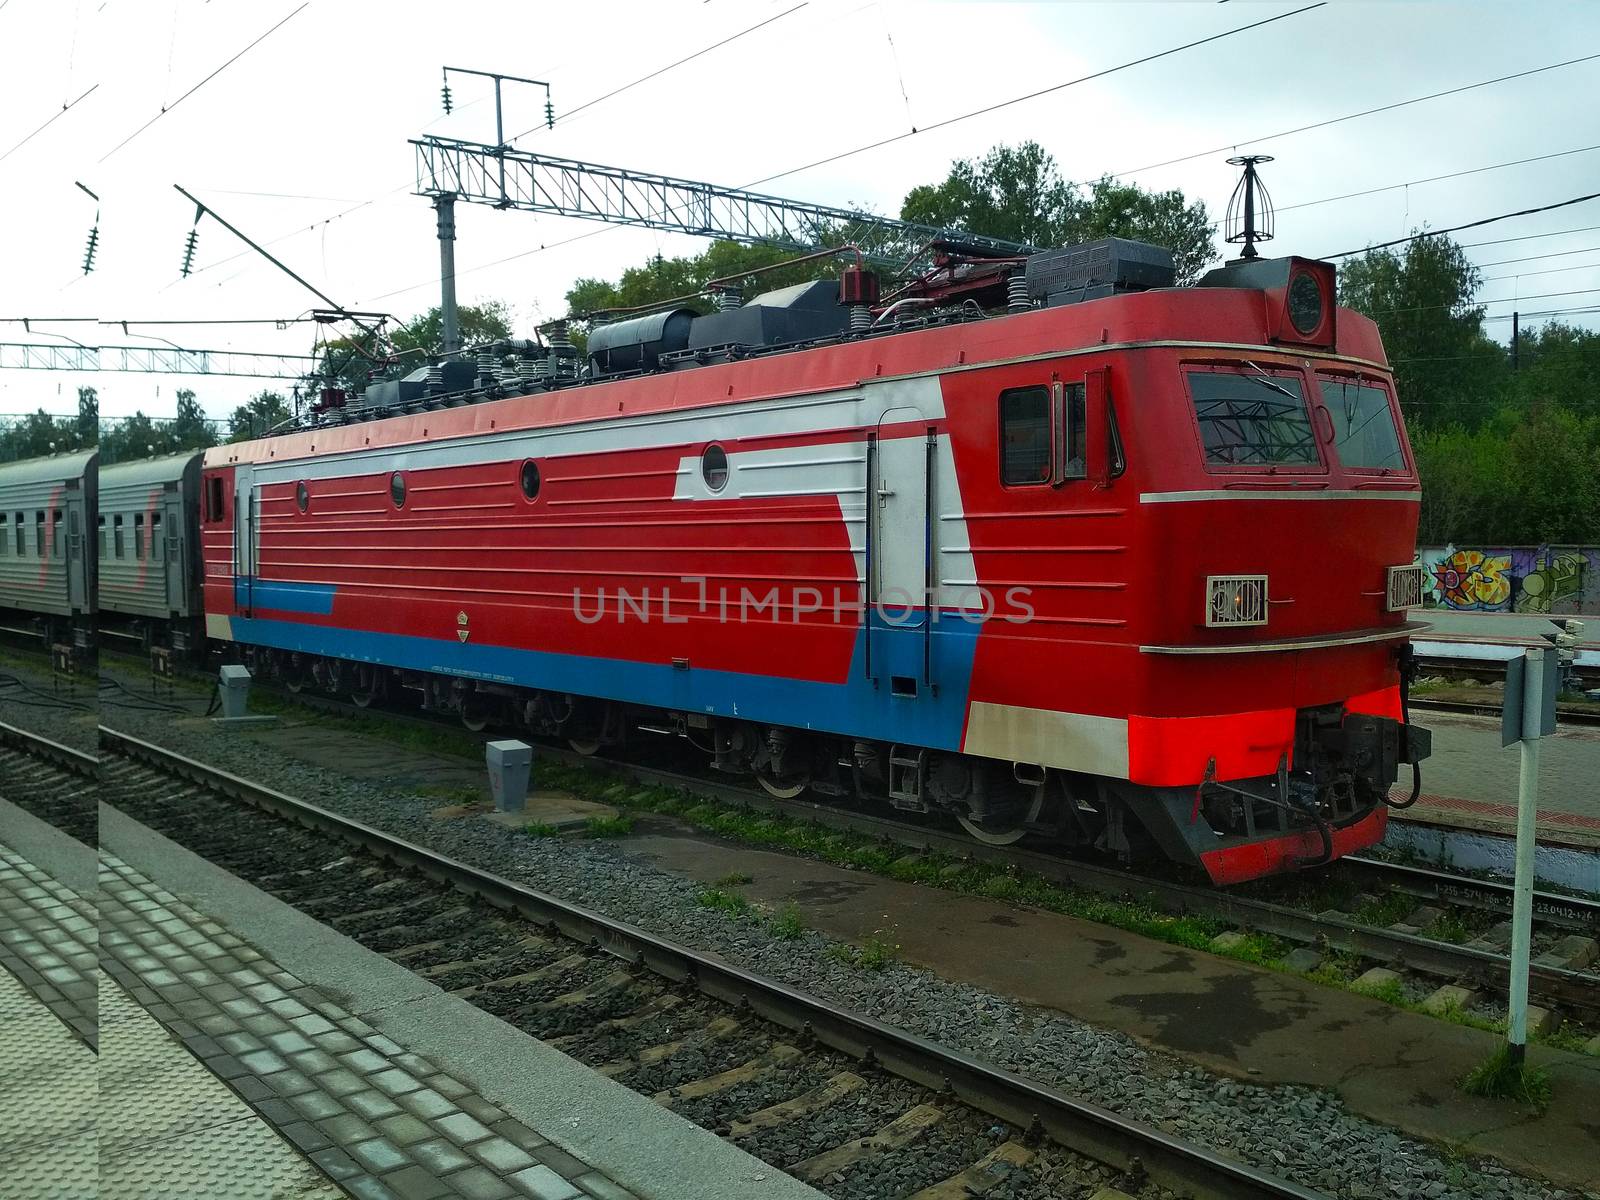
63 111
1417 237
166 108
890 140
1034 95
1588 266
587 104
1366 112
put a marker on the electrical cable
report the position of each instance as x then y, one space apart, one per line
1545 271
65 109
984 111
1366 112
1505 262
1528 237
884 142
1393 187
166 108
1416 237
326 221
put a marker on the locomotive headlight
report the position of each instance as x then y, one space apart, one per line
1305 303
1236 600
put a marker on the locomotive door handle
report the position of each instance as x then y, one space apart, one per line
884 494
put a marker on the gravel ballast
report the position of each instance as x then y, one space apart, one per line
1299 1133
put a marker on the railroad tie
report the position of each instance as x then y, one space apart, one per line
614 982
550 971
828 1092
778 1056
896 1135
982 1177
649 1011
532 942
716 1031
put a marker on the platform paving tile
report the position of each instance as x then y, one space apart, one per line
384 1123
49 943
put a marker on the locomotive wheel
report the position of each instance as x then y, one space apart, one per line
475 717
991 836
363 699
783 787
584 746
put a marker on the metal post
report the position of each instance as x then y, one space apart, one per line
445 204
1516 341
1527 808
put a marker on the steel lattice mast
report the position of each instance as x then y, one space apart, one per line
165 360
509 178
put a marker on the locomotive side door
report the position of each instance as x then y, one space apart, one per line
900 551
244 539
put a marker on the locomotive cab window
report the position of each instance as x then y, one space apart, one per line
1025 435
1251 418
714 467
1364 433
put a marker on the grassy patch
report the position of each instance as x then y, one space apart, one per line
721 898
608 827
1451 927
787 925
539 829
872 955
1499 1078
735 879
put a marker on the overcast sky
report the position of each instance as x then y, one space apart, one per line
312 123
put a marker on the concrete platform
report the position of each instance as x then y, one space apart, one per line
1242 1021
389 1084
1471 780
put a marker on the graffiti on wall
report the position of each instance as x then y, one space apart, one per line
1525 579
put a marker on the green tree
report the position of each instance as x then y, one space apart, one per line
88 416
38 434
265 411
190 430
1447 370
487 322
132 438
1018 193
668 278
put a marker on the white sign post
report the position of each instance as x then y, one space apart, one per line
1533 689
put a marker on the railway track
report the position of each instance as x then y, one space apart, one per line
55 783
1479 960
755 1060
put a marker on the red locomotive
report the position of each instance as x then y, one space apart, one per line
1124 566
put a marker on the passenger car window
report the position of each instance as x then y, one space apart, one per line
138 535
38 533
1364 432
156 549
1025 435
214 498
55 532
1249 419
116 536
101 537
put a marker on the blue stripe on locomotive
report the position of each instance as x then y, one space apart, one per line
934 717
315 599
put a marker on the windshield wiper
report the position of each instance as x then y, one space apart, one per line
1271 382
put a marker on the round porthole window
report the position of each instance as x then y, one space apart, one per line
1305 303
302 496
714 467
397 489
530 479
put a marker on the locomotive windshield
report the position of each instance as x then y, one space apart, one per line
1253 419
1363 425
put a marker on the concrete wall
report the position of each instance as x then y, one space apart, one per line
1527 579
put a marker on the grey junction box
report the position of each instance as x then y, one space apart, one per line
234 685
510 763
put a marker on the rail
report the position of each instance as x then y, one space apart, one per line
1127 1145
